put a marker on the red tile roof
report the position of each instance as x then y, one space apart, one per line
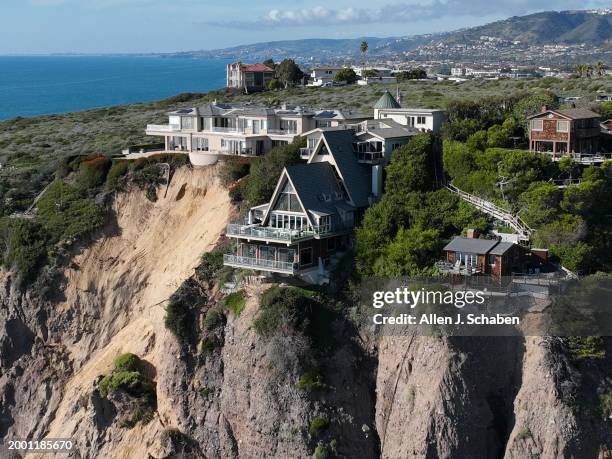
256 68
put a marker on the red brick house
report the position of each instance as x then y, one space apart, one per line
561 132
469 256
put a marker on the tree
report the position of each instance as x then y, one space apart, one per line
265 171
288 73
414 74
269 63
369 73
363 48
346 74
412 252
600 68
411 167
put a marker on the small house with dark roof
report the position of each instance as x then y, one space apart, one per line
467 256
563 132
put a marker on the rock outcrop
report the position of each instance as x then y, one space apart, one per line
405 396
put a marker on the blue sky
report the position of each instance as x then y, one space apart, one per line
107 26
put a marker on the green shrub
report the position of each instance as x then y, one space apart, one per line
587 347
92 172
311 380
66 214
130 381
128 362
523 434
210 264
118 170
25 246
321 452
236 302
151 193
280 306
181 311
605 405
213 319
233 169
317 425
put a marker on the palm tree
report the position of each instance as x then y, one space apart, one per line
363 47
600 68
579 70
589 70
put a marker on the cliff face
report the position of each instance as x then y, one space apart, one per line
485 397
406 396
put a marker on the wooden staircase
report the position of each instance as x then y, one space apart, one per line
514 221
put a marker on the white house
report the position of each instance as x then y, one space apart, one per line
424 119
319 76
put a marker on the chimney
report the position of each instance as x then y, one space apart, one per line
542 254
472 233
545 108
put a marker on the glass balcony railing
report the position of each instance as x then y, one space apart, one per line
266 233
260 264
163 127
305 153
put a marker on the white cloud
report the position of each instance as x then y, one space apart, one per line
400 12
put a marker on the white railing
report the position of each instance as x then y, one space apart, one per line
282 131
234 129
259 264
514 221
305 153
163 127
267 233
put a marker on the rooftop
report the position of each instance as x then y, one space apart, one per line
387 101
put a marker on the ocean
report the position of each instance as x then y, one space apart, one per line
41 85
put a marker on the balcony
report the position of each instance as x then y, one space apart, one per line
226 130
288 236
260 264
369 157
306 153
163 128
282 131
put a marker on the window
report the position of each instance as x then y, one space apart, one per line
467 259
288 125
312 142
323 123
306 256
187 122
420 120
562 126
491 259
288 200
537 125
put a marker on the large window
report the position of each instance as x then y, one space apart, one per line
186 122
288 200
562 126
467 259
288 125
420 120
537 125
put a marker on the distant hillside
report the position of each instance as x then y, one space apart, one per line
568 27
589 27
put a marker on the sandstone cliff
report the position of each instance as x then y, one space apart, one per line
399 397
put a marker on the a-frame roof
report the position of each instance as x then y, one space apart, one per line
355 176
